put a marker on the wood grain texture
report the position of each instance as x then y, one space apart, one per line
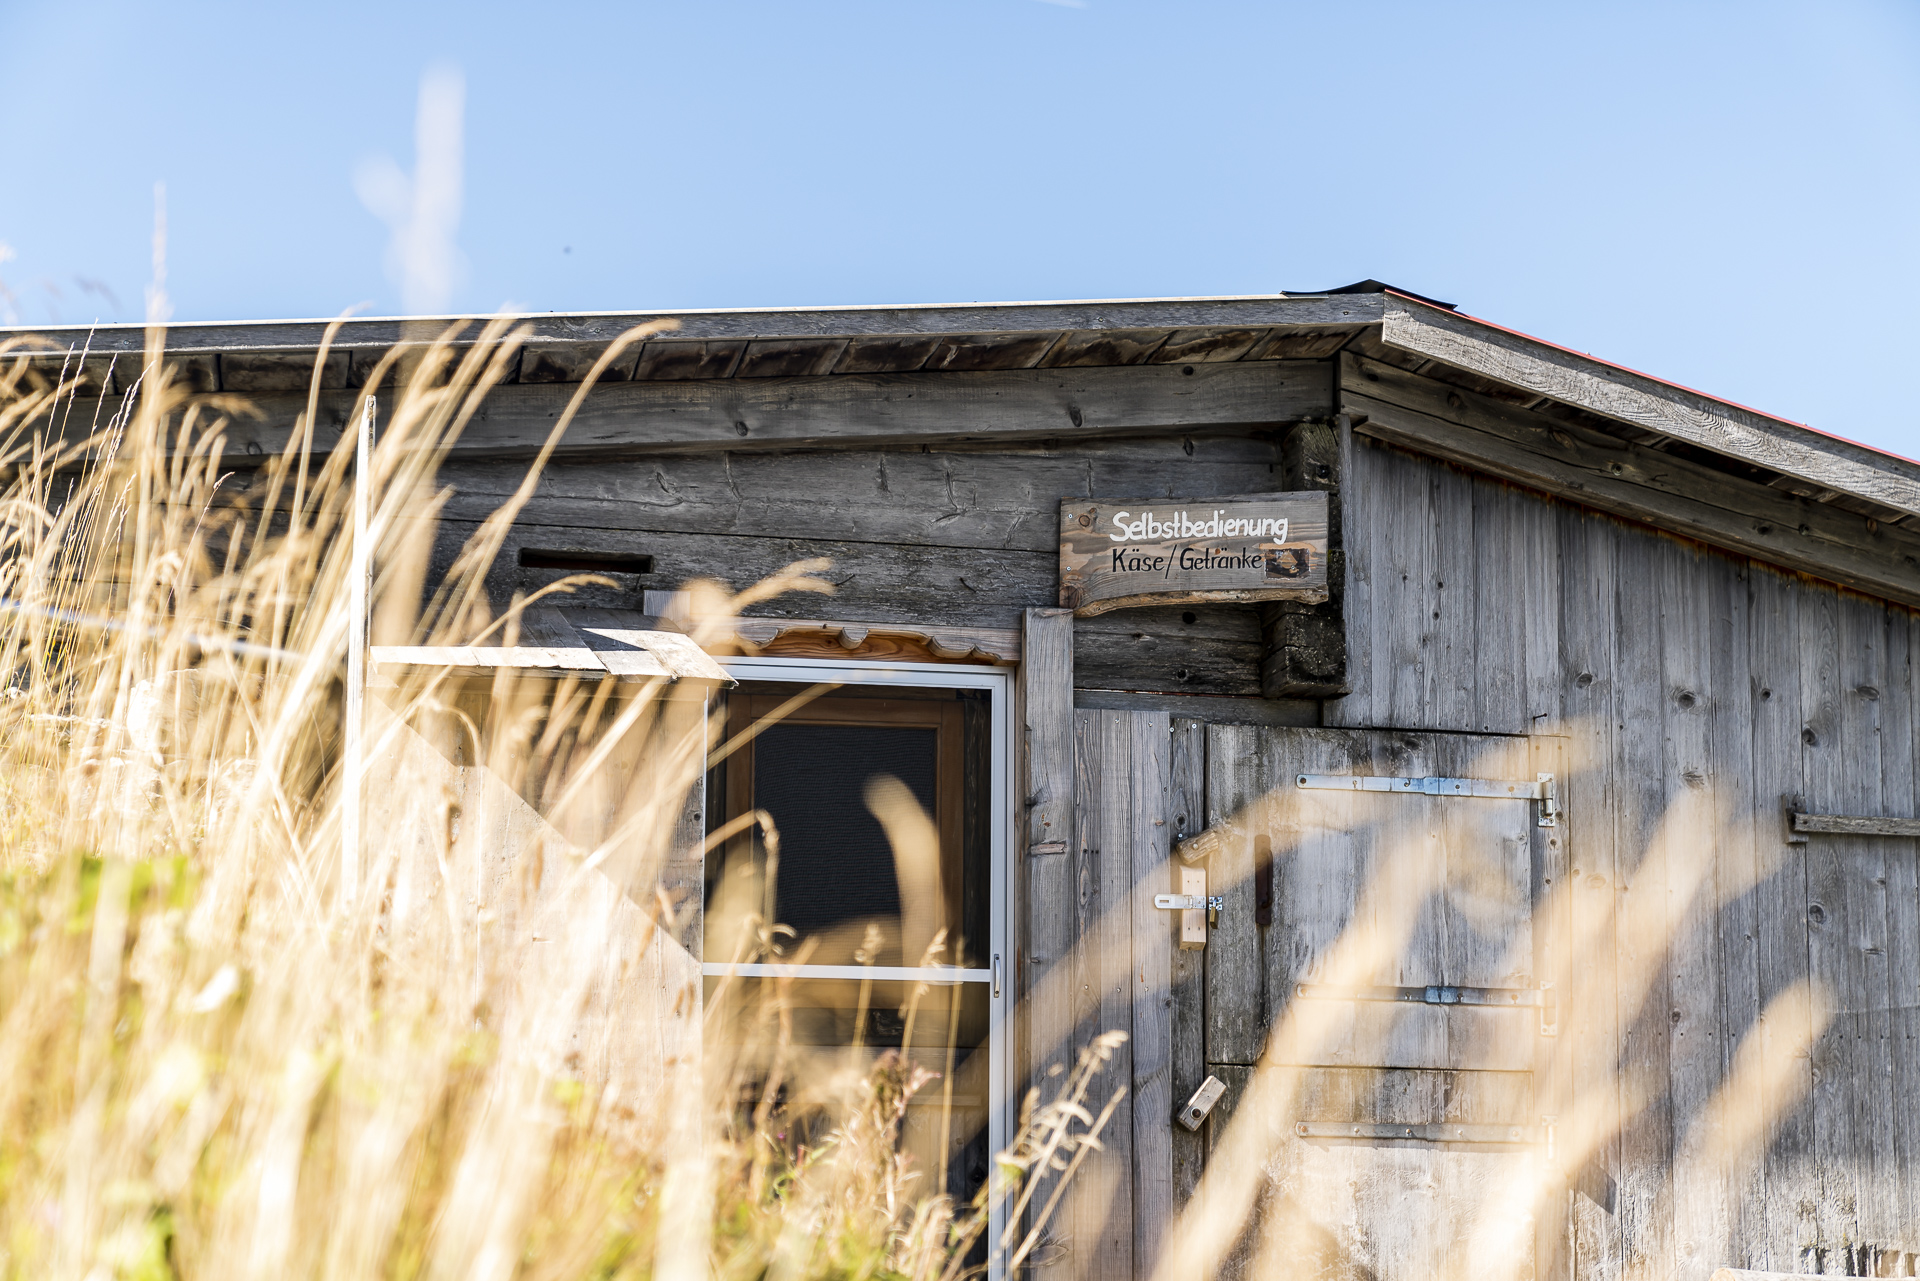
1442 886
707 412
991 496
1856 825
1387 1211
1632 481
1452 621
1255 313
1102 1235
1780 910
1116 553
1672 411
1591 1019
1698 1056
1047 797
1202 649
1900 783
1150 976
1048 927
1186 815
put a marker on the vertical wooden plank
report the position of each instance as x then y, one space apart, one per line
1359 467
1737 874
1862 868
1900 782
1047 930
1539 586
1451 671
1552 1073
1151 979
1829 962
1109 925
1684 582
1187 816
1405 614
1900 775
1589 633
1413 605
1646 1145
1046 710
1236 1005
1780 906
1499 686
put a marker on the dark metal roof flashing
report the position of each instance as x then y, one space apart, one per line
1374 287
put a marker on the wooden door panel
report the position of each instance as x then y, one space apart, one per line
1369 889
1352 1210
1348 1099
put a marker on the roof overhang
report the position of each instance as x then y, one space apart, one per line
885 375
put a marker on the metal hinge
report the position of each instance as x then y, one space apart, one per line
1190 902
1542 789
1541 998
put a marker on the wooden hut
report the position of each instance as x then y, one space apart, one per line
1483 775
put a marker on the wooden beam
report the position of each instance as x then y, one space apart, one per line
1046 859
1660 407
1856 825
1630 480
1255 312
842 410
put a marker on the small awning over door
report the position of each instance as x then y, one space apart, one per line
591 643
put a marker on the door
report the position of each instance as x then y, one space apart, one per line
851 904
1374 1000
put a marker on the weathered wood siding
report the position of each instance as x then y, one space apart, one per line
1697 692
967 537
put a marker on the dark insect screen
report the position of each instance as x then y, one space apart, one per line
836 866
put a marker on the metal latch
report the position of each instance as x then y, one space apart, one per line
1202 1102
1189 902
1542 789
1541 998
1194 907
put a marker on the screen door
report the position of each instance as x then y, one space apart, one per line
870 808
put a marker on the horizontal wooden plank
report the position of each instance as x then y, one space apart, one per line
889 585
1856 825
1004 496
1256 312
1653 405
877 582
1631 481
1212 709
844 410
1157 650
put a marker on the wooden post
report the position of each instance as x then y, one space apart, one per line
1046 860
359 576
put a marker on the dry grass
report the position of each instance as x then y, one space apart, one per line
227 1051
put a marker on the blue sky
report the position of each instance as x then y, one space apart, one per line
1727 195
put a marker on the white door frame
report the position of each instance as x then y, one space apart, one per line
999 683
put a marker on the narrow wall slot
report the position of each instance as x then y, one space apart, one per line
585 562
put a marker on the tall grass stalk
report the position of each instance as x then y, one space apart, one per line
214 1062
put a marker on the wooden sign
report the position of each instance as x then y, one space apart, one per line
1115 553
